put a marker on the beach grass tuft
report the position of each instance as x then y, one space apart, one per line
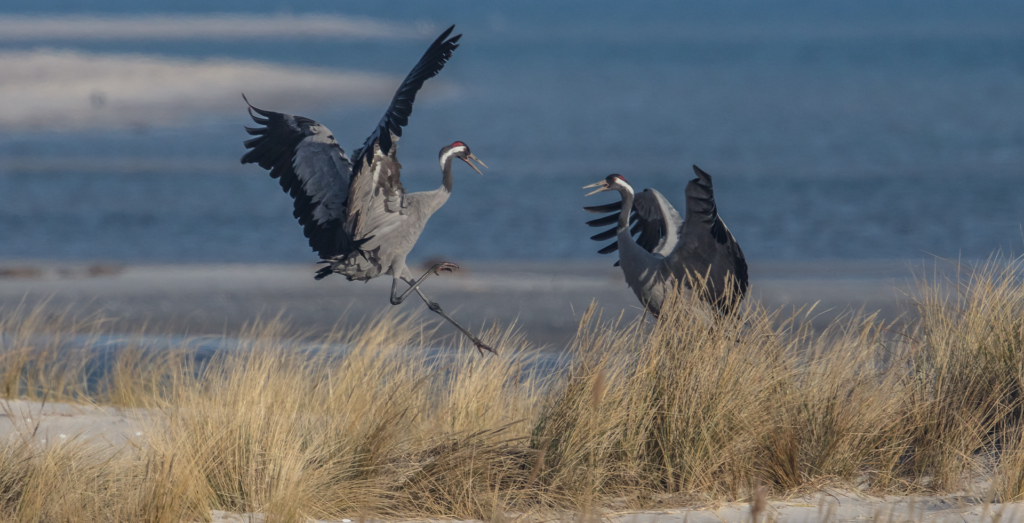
373 422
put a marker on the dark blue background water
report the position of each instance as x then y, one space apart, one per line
832 129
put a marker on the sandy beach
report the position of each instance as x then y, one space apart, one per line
544 299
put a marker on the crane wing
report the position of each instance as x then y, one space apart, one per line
377 198
652 216
706 246
344 204
397 116
310 165
660 222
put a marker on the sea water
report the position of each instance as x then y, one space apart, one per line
832 130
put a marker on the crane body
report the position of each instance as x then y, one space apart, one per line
355 212
669 249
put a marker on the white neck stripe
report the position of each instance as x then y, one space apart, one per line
452 151
624 184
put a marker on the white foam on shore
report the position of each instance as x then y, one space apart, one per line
73 90
15 28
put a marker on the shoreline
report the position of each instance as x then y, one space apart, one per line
545 299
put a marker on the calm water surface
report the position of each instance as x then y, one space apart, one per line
881 130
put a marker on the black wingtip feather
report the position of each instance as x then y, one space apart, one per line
445 34
700 198
604 235
614 246
397 115
701 175
604 221
260 112
323 272
601 209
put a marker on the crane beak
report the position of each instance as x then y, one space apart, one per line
602 184
471 157
468 162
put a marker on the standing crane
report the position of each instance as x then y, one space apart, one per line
669 249
355 212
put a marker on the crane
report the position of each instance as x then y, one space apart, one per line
669 249
355 212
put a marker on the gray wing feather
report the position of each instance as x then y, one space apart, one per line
323 168
311 167
376 207
381 215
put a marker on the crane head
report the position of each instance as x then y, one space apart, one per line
461 151
612 182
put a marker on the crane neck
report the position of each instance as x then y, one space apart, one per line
446 172
627 208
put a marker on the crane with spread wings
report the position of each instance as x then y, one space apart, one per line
355 212
670 249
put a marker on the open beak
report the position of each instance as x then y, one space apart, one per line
471 157
602 184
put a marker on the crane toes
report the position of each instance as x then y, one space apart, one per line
481 347
446 266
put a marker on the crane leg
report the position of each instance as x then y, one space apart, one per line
433 306
413 285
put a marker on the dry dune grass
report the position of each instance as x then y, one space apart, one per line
685 409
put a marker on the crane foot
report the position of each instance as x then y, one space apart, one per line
481 347
446 266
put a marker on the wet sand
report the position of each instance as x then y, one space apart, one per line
545 299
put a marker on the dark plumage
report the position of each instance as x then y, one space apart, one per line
355 213
669 249
397 115
311 167
274 148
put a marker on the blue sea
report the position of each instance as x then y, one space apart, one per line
833 130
